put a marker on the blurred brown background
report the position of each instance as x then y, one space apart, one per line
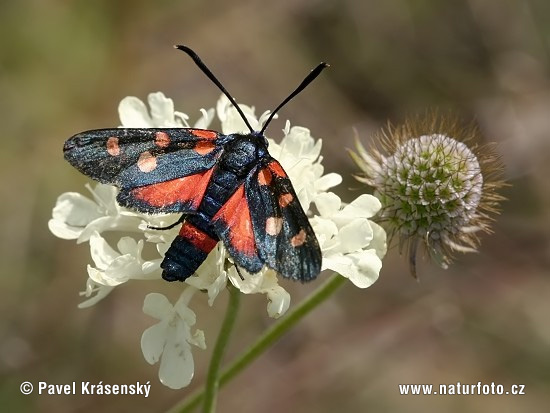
65 65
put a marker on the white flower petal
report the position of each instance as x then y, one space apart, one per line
148 267
102 253
181 119
176 365
361 268
152 342
368 265
279 301
185 313
231 119
263 118
105 197
212 287
123 268
157 305
62 230
355 235
133 113
95 292
109 223
162 247
364 206
197 339
300 143
162 110
327 203
325 230
378 242
71 214
206 119
264 282
98 276
342 264
127 245
328 181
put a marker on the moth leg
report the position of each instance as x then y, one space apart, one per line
179 221
239 272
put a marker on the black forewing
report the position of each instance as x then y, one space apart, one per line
285 239
129 158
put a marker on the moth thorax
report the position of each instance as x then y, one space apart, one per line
243 153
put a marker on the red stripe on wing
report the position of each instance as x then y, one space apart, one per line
235 214
205 134
277 169
204 148
186 189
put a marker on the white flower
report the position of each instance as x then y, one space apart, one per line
134 114
114 268
77 217
170 340
351 244
94 292
264 282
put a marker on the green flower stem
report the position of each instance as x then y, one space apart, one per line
213 378
267 339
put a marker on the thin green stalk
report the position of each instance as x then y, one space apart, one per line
213 378
265 341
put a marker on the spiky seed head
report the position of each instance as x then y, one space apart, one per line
437 186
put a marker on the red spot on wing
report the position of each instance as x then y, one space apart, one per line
112 146
298 239
186 189
205 134
264 177
236 215
147 162
197 237
285 199
162 140
203 148
273 225
277 169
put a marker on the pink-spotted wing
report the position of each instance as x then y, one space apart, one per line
157 170
283 235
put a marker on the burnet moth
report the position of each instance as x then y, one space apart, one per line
227 187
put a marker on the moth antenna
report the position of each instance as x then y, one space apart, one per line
309 78
214 80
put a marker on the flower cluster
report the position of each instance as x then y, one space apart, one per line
437 187
352 245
